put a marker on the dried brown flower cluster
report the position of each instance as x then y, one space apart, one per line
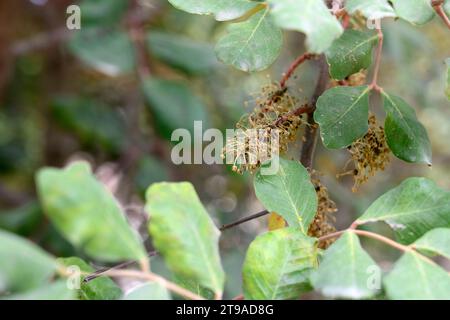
272 119
324 219
354 80
369 154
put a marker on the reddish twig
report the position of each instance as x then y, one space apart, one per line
437 5
374 84
297 62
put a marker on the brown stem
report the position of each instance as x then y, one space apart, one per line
154 277
297 62
297 112
437 5
243 220
374 84
309 146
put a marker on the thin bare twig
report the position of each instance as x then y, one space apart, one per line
374 85
309 146
297 62
437 5
243 220
155 278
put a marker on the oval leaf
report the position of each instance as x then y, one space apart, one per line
58 290
414 11
413 208
371 9
345 270
87 214
311 17
351 53
414 278
173 105
222 10
342 113
183 53
289 193
278 264
23 265
148 291
184 233
435 241
252 45
406 136
108 51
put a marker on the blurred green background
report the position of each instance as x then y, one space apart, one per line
113 92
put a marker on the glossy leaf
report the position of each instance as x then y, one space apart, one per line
54 291
414 278
173 105
435 241
413 208
94 12
406 136
414 11
342 113
186 54
252 45
101 288
311 17
371 9
351 53
148 291
184 234
289 193
87 214
23 265
278 264
108 51
222 10
345 270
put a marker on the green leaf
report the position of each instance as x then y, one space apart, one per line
435 241
148 291
413 208
447 89
371 9
222 10
345 270
351 53
94 12
414 278
278 264
312 17
87 214
252 45
184 233
92 121
101 288
343 113
289 192
406 136
150 170
108 51
447 7
21 220
23 265
186 54
173 105
414 11
55 291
